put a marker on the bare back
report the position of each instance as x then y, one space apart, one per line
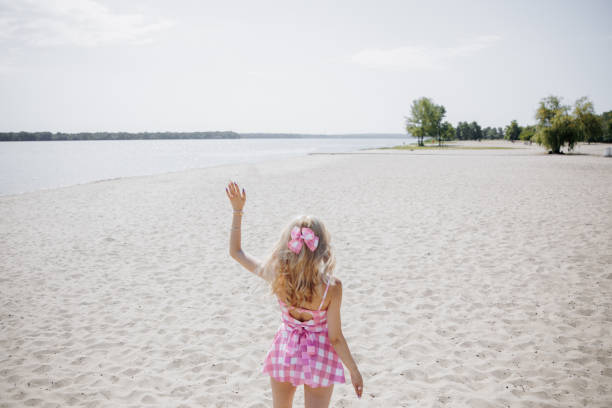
299 312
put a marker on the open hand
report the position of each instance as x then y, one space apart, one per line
237 199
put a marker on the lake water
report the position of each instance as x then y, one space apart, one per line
30 166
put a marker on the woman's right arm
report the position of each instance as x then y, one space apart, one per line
337 339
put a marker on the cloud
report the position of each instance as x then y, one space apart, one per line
85 23
420 58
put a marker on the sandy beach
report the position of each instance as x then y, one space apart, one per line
472 278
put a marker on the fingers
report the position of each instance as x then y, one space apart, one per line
358 390
233 190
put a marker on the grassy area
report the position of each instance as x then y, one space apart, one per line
436 147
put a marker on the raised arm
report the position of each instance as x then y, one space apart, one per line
336 338
237 200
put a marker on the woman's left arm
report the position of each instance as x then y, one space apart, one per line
238 199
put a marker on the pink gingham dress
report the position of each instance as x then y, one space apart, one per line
301 352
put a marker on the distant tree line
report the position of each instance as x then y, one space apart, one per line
47 136
473 131
557 125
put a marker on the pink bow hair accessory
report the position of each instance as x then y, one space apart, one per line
306 236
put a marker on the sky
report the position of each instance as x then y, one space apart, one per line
319 67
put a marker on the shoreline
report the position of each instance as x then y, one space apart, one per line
258 160
593 150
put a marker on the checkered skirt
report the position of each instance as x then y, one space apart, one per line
301 352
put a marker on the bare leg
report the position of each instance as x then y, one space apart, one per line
318 397
282 393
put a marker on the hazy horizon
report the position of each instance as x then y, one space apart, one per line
351 67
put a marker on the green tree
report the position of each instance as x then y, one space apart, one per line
489 133
447 131
425 119
475 131
469 131
513 131
555 127
588 123
437 115
527 133
463 131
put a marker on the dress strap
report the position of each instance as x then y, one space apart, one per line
327 287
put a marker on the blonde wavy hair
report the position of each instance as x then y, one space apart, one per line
295 277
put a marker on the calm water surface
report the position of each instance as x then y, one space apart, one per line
30 166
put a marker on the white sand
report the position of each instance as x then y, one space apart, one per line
472 278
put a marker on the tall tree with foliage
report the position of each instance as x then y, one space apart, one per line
437 115
462 131
555 127
476 131
513 131
447 131
588 123
425 119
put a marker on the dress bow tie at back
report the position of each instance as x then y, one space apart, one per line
300 335
306 236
